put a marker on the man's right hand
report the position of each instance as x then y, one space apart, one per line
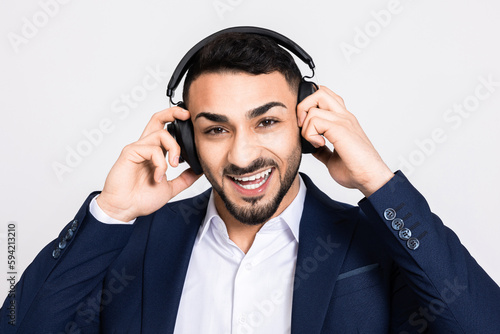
136 185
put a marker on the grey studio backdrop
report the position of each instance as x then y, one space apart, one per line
80 80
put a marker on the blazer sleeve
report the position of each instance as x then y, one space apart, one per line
455 294
66 273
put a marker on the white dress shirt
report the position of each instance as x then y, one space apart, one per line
228 291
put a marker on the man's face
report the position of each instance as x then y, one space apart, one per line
248 141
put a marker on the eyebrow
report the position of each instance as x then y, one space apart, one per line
249 114
263 109
212 117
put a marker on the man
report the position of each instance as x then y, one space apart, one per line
264 251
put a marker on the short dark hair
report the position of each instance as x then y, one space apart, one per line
241 52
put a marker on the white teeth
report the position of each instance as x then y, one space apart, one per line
253 186
264 176
254 177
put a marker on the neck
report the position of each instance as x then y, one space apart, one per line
243 234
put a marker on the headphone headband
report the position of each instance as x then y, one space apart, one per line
187 60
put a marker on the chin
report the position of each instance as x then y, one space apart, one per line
252 195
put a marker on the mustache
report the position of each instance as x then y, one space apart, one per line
254 166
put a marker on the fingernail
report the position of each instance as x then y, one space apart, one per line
316 144
161 178
176 160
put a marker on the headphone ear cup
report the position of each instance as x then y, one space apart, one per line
306 88
183 133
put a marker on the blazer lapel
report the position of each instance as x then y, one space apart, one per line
171 240
326 228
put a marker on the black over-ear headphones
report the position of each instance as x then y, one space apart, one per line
183 132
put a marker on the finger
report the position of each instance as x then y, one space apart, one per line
160 118
334 95
313 131
317 123
328 115
143 153
168 143
320 99
183 181
332 125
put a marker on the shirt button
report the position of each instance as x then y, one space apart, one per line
389 214
248 266
405 233
242 319
398 224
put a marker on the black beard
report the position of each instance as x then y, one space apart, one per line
257 214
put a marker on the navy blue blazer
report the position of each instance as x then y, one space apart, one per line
356 271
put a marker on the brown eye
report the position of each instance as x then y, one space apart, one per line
267 123
216 130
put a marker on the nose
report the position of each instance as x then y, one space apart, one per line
244 149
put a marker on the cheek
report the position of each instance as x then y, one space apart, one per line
284 148
210 156
285 142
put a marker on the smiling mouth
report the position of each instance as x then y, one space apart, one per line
253 181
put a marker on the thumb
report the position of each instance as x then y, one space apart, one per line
183 181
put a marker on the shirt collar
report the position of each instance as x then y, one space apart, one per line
291 215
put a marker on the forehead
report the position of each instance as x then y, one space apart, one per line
233 94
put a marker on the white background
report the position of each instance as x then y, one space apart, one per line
70 73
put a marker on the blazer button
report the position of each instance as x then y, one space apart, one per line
74 225
405 233
389 214
413 243
69 234
62 243
398 224
56 253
